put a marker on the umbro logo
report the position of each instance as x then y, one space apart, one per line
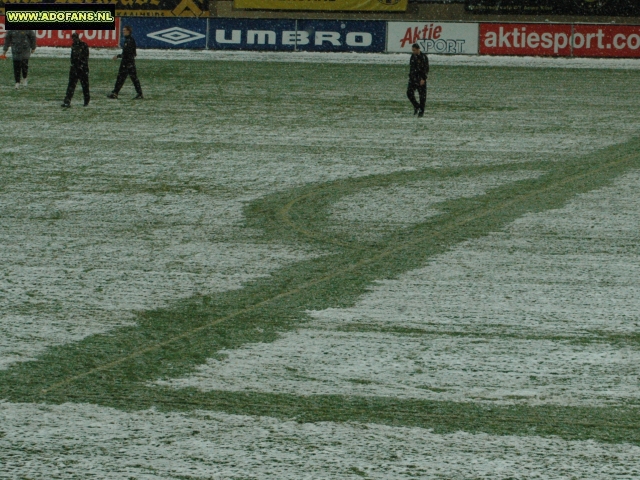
175 35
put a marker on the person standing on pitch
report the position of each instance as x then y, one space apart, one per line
79 70
418 71
127 65
23 44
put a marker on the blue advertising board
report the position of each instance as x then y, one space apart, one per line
301 35
341 36
250 34
168 32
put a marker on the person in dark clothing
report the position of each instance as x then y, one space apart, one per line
23 44
127 65
418 71
79 70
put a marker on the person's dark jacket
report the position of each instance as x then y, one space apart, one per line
128 54
80 54
418 67
22 42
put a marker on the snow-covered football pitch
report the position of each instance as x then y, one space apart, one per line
270 269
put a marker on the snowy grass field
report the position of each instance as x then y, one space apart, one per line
271 269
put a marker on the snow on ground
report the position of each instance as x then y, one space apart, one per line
85 441
435 367
512 317
357 58
381 210
78 262
82 263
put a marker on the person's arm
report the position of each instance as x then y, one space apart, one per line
32 40
115 57
7 43
425 69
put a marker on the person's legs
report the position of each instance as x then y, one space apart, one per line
422 92
84 81
133 73
17 67
25 67
411 95
71 88
122 76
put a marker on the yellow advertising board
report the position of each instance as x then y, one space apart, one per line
325 5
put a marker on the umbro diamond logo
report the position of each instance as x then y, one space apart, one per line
175 35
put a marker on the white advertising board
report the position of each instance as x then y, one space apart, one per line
433 37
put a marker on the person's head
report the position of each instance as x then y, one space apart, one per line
415 48
75 37
127 30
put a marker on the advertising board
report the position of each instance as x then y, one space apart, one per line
341 36
249 34
548 39
169 32
606 41
62 38
304 35
433 37
539 39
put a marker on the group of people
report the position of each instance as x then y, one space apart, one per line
23 44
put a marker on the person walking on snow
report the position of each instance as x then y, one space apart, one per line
79 71
127 65
23 44
418 71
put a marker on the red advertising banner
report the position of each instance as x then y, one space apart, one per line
62 38
606 41
539 39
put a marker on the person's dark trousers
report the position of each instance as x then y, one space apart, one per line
127 70
20 67
76 74
422 93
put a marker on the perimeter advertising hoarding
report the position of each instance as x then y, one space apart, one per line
139 8
341 36
433 37
543 39
537 39
325 5
62 38
606 41
290 35
169 32
249 34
